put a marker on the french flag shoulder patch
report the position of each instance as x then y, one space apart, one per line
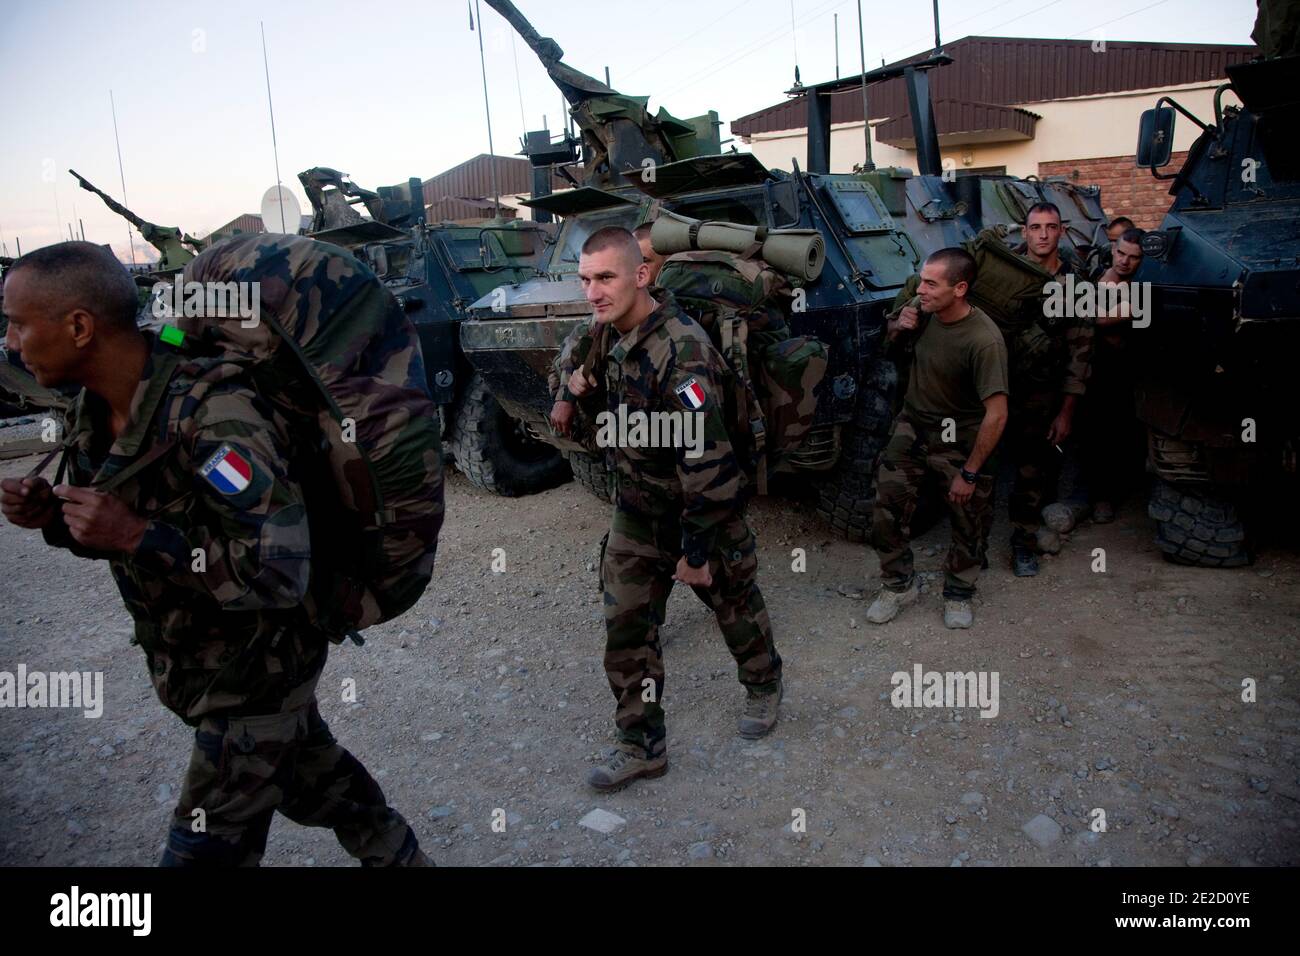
691 394
227 471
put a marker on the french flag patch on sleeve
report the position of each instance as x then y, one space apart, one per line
227 471
691 394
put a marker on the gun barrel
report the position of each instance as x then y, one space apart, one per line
544 47
576 86
110 202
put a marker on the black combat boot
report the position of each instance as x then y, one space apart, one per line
1024 563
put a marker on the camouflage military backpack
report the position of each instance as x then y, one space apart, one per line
1007 287
743 302
334 354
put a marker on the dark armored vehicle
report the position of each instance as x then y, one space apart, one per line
876 226
436 271
1218 388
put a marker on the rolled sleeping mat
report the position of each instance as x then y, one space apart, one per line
798 253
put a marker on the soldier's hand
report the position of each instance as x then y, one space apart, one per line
695 577
580 384
27 502
562 417
1060 428
960 491
905 322
100 521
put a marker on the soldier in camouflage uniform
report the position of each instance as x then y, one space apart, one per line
576 348
229 648
1049 367
677 518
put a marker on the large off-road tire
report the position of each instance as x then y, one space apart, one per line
495 452
845 497
1196 528
590 472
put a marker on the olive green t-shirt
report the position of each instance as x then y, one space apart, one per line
955 368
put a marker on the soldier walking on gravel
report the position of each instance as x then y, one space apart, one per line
229 647
677 517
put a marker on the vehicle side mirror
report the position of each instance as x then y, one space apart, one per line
1155 138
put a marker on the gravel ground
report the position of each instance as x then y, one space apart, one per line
1119 691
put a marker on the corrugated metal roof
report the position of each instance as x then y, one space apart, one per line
243 224
471 180
961 121
1003 71
249 223
457 192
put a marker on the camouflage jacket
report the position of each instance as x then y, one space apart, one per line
668 364
573 352
1052 354
227 633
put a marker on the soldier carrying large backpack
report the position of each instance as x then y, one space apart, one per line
258 491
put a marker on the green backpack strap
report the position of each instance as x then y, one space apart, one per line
734 331
167 421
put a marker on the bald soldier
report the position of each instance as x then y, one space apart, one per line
678 514
230 649
575 348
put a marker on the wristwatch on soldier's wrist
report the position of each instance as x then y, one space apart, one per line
970 477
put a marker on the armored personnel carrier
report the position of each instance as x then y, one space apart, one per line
1218 389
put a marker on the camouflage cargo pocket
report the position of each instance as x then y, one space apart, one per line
787 382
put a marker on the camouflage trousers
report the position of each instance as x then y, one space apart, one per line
245 768
1036 461
640 557
916 462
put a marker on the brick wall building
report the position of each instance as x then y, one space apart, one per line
1125 189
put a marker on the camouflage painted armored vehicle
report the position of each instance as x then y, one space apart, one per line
875 226
1218 389
436 271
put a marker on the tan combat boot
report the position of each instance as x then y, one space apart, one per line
957 613
622 767
761 712
888 603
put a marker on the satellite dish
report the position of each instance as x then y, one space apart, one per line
281 212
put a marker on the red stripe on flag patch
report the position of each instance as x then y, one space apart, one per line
234 460
691 393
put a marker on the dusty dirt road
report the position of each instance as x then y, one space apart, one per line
486 704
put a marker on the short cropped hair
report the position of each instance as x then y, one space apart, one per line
958 264
83 275
1051 207
1133 235
1124 221
613 237
643 231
